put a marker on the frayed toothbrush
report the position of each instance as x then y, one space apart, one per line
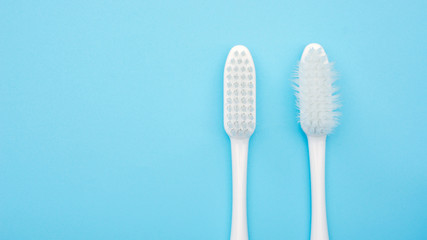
239 123
317 105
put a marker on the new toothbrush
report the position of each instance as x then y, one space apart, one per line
317 105
239 123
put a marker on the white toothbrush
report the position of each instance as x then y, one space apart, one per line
239 123
317 104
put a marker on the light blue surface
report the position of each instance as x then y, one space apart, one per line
111 119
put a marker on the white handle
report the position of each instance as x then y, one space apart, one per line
239 153
319 225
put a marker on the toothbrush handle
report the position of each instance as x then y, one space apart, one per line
239 152
319 225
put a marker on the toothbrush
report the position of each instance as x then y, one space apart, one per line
239 123
317 105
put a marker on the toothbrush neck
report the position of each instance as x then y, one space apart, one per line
239 150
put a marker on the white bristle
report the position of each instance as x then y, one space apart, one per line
316 97
239 93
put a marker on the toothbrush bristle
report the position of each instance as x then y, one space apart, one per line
239 93
316 98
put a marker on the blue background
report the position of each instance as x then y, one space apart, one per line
111 119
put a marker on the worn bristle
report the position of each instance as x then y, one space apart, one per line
239 93
316 98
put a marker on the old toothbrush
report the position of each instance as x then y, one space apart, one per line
317 103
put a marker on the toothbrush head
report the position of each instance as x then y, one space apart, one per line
316 98
239 93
